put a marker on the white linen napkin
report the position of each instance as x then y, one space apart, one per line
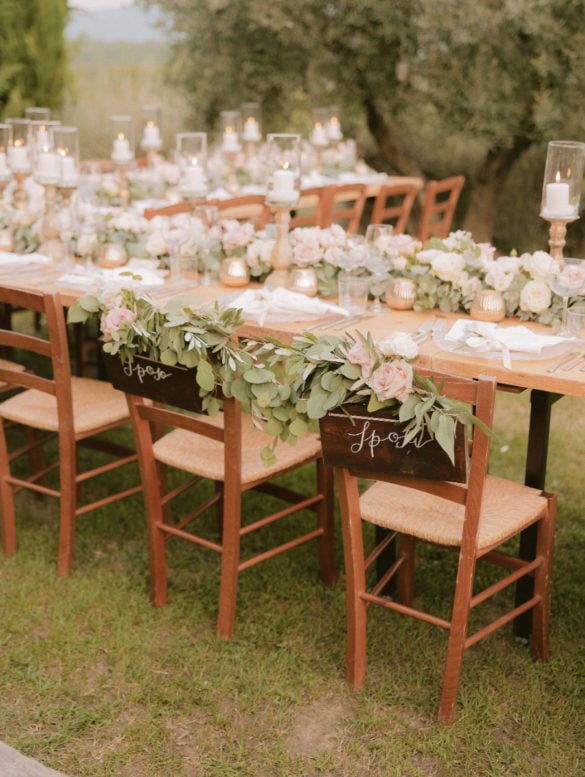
11 260
487 336
128 276
282 305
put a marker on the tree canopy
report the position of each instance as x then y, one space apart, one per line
431 87
32 54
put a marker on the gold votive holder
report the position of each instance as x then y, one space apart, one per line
304 281
401 294
112 255
6 239
488 305
234 271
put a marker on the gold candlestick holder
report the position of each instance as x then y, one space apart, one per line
51 245
281 256
19 194
556 237
232 182
66 193
123 184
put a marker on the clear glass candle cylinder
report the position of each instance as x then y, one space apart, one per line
123 139
563 178
250 122
333 125
231 126
152 128
319 137
36 113
66 144
5 143
191 156
283 162
19 159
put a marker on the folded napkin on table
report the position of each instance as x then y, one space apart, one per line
11 260
129 276
282 305
486 336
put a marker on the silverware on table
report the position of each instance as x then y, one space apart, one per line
572 364
568 357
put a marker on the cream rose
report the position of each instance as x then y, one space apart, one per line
392 380
398 344
535 297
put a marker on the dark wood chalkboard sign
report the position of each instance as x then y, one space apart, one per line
367 442
174 385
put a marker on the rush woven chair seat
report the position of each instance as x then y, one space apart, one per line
226 451
53 404
473 518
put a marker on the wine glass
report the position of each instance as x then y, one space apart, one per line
569 282
377 262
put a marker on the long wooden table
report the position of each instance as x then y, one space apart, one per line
531 375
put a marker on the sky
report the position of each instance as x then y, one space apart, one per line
98 5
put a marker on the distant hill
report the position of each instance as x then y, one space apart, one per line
128 24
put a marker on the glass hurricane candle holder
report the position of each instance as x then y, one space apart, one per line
230 124
123 139
561 190
66 144
5 143
19 159
250 121
151 140
35 113
191 155
333 126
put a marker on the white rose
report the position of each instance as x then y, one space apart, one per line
535 297
398 344
427 256
156 244
540 265
498 278
449 267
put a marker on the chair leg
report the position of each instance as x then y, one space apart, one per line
155 485
457 635
327 565
355 578
230 559
68 487
7 516
540 617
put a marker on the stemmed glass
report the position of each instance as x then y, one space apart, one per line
377 262
210 243
569 282
175 237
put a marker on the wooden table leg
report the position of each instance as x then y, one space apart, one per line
541 403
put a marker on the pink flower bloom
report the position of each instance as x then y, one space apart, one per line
358 354
392 380
114 318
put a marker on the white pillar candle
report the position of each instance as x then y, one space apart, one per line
42 137
251 131
319 136
18 158
68 171
151 136
48 168
230 140
121 152
283 186
333 129
558 200
193 180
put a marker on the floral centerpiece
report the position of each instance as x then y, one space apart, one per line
286 388
327 251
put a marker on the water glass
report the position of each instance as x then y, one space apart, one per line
353 293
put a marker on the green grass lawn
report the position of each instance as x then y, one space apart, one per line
95 682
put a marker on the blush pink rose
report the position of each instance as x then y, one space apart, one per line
392 380
114 319
358 354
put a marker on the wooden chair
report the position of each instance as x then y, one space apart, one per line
438 208
309 211
474 518
393 204
168 210
247 207
76 411
344 205
226 451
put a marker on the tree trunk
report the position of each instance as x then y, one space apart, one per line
388 143
486 186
